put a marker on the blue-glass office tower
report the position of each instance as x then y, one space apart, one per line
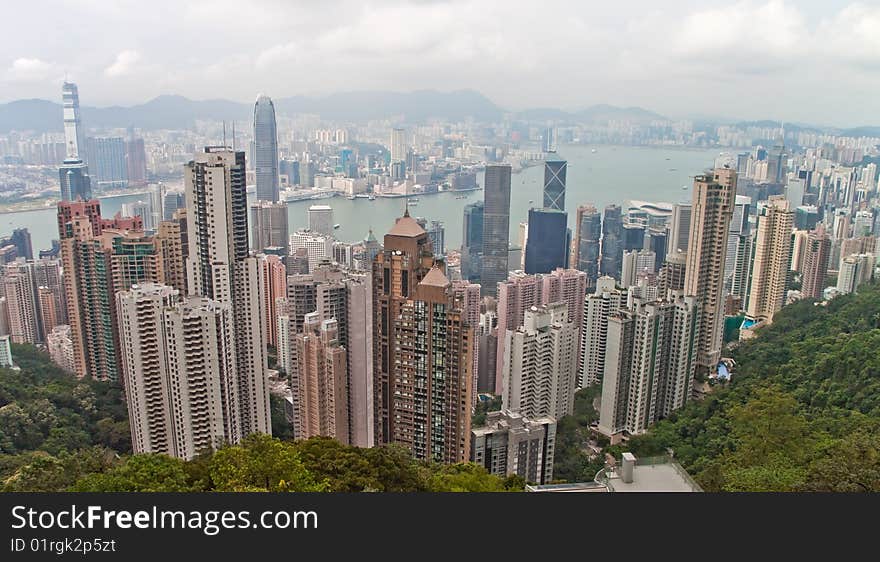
472 241
587 237
554 184
612 244
547 236
73 176
496 227
265 149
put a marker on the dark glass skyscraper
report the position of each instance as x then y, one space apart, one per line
554 184
266 149
588 233
73 176
546 242
612 245
472 241
496 227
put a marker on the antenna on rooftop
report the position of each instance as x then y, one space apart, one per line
224 134
233 136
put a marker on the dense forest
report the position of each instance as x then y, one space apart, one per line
58 433
801 413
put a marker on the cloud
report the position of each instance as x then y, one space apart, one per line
853 35
30 70
123 65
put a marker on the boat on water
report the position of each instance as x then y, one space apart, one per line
593 151
531 201
372 197
414 199
335 226
351 197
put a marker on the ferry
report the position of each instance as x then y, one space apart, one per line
335 226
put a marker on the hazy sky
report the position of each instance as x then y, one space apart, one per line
813 60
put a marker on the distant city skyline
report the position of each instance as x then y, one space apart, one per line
718 58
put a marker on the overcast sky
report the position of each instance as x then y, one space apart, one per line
812 61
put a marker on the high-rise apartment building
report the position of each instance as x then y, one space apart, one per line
220 268
540 363
431 398
605 301
99 257
319 247
343 296
319 381
496 227
815 263
585 246
274 278
554 183
740 229
649 365
269 225
60 348
711 210
510 443
406 258
854 270
266 150
179 364
771 260
22 302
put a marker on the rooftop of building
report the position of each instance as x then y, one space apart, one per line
406 226
649 474
435 278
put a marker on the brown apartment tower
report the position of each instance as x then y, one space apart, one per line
423 352
712 204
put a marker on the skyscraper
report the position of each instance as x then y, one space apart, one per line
74 135
321 219
22 302
100 257
585 246
220 268
398 146
612 243
406 258
605 301
712 208
546 244
345 297
540 363
472 241
679 228
854 270
266 149
320 381
496 227
107 162
554 183
815 260
431 398
771 260
179 364
171 202
73 176
269 225
649 363
739 230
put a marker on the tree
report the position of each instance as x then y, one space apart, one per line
467 477
262 463
139 473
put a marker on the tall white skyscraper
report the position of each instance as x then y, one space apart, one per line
220 268
266 149
771 260
179 365
74 135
